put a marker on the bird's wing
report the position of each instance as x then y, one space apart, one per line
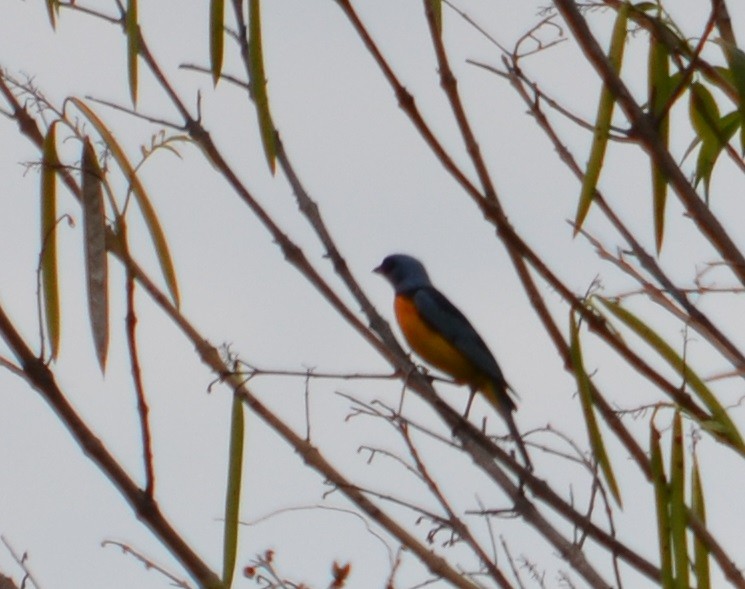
445 318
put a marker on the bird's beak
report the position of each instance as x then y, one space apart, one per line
378 270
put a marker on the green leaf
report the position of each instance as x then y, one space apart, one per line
233 492
712 147
700 549
49 278
217 38
736 61
720 422
602 121
678 511
585 395
725 73
258 83
727 126
662 503
94 223
133 47
667 90
713 130
704 112
148 212
660 90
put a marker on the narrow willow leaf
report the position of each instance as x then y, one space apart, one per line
53 12
660 85
659 189
700 549
217 38
678 516
695 142
94 224
133 47
662 503
720 422
704 113
437 12
736 61
713 131
49 277
233 492
659 93
585 395
671 87
143 200
707 155
725 74
258 83
728 124
713 147
618 37
602 121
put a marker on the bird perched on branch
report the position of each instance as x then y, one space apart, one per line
438 332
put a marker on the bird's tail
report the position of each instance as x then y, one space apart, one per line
498 396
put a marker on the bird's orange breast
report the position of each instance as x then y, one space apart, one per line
433 347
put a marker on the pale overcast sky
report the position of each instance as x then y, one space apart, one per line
380 190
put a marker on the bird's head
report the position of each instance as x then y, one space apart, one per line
403 272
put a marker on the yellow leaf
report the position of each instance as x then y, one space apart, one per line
720 422
700 549
662 502
53 12
49 277
258 83
602 121
217 38
233 491
148 212
585 395
659 91
678 511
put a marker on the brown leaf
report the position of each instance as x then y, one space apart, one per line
94 224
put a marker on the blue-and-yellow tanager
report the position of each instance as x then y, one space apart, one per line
442 336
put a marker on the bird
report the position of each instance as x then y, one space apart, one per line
443 337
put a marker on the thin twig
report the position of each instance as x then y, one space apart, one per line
620 136
21 561
648 136
223 76
453 520
149 564
142 406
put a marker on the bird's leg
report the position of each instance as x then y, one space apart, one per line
407 376
470 400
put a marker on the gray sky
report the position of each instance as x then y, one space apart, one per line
380 190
